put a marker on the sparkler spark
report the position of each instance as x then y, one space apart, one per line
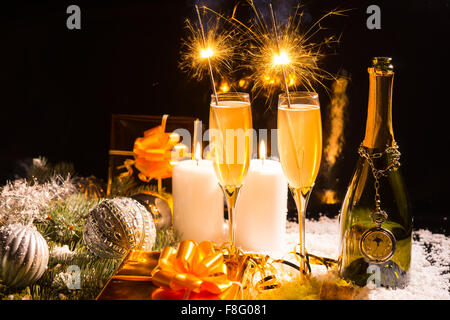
224 87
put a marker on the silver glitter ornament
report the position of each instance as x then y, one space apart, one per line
118 225
23 255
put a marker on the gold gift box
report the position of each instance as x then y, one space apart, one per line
133 281
125 129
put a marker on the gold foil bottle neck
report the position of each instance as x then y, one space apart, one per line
379 132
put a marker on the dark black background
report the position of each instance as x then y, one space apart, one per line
59 87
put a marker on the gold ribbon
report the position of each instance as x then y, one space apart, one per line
193 268
313 259
260 273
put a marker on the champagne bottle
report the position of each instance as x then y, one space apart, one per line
375 218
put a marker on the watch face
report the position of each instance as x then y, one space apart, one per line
377 245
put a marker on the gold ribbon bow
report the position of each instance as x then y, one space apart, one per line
192 268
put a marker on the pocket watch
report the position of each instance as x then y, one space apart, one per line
377 245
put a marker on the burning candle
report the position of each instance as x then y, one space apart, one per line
197 200
262 206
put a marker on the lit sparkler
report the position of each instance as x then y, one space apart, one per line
285 56
280 58
206 53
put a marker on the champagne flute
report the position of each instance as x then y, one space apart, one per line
230 133
300 150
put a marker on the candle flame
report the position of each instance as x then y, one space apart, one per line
262 150
198 152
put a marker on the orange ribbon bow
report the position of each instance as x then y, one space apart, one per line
152 152
197 268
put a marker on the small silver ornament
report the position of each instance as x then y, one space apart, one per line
23 255
118 225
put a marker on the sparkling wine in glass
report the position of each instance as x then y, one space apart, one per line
230 133
300 149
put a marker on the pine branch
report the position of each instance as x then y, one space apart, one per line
65 218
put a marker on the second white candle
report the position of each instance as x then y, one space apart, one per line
261 208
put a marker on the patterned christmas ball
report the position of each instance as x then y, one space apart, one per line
23 255
118 225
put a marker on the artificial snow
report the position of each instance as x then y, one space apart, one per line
430 259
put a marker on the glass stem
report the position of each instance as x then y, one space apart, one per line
301 197
231 194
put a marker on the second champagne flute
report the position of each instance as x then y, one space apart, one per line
300 149
230 133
